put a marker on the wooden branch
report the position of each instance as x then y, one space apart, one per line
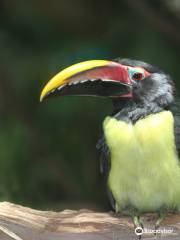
21 223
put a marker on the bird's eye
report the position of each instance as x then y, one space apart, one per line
137 76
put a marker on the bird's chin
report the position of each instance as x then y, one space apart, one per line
122 102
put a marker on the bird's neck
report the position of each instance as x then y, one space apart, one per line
130 111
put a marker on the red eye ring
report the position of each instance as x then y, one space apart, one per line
137 76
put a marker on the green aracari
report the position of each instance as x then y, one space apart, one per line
141 137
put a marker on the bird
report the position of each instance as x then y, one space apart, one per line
140 147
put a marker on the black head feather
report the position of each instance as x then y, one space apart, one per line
133 63
153 94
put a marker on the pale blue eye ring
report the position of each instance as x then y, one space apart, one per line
136 74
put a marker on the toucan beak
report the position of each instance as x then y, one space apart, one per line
91 78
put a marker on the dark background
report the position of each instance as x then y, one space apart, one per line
48 158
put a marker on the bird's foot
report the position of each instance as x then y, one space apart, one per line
138 226
158 223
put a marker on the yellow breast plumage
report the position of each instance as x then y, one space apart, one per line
144 162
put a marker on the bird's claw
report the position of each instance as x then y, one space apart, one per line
138 227
158 222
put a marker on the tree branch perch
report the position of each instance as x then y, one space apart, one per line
21 223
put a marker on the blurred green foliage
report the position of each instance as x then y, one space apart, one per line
47 151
